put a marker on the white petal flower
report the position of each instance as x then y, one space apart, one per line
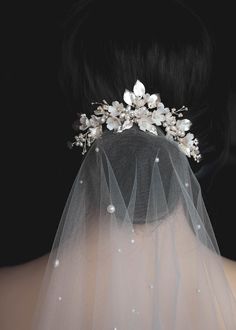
94 121
183 125
119 106
139 89
128 97
113 123
145 124
139 102
95 132
152 101
186 144
158 116
84 121
113 111
141 112
170 119
161 105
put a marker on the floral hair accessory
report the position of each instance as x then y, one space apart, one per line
145 110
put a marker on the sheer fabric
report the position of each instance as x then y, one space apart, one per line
135 248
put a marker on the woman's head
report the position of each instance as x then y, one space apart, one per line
111 44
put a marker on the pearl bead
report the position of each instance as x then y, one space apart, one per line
151 286
111 208
198 290
97 149
81 181
186 184
157 159
133 310
132 241
119 250
56 263
132 230
60 298
198 226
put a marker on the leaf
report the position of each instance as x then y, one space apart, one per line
139 89
128 97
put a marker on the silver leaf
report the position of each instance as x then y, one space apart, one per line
139 89
128 97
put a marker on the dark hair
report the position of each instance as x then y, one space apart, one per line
108 45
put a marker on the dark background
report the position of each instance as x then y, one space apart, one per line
38 169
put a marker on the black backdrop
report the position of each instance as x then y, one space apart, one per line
38 169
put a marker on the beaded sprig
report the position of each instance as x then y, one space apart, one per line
143 109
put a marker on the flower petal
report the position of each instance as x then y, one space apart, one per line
185 149
139 89
152 101
127 124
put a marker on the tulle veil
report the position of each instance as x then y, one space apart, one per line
135 248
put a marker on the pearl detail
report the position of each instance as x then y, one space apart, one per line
198 290
56 263
151 286
135 311
60 298
198 226
157 159
132 241
132 230
186 184
97 149
119 250
81 181
111 208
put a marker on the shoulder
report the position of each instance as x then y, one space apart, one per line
19 287
230 272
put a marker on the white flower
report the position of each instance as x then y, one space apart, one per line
84 121
145 124
170 119
138 103
141 112
94 121
186 144
152 100
113 123
95 132
158 115
116 108
183 125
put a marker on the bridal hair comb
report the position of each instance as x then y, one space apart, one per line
145 110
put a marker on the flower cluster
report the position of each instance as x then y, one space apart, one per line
145 110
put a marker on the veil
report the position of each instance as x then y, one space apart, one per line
135 248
